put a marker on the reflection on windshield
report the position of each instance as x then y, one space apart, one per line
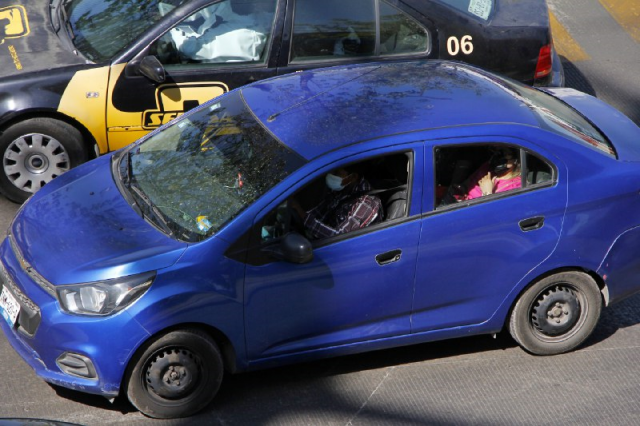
197 174
102 28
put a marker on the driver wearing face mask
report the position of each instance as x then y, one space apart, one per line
345 208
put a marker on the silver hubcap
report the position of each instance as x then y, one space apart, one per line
33 160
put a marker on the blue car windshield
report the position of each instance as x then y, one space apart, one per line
194 176
101 28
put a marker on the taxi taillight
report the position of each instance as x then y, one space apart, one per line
545 62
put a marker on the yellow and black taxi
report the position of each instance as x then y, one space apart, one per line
79 78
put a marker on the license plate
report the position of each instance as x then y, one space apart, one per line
9 306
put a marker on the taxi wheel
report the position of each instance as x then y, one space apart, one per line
177 375
556 314
34 152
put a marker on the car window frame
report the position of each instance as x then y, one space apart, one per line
376 56
270 53
255 242
525 188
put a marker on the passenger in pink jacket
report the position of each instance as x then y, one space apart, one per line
500 174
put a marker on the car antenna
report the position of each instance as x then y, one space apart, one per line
272 117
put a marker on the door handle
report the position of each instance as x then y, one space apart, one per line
532 223
388 257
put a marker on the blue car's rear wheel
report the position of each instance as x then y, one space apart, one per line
176 375
556 314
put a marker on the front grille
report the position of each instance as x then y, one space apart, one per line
29 270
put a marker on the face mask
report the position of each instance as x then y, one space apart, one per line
334 182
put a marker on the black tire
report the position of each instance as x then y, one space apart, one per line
34 152
177 375
556 314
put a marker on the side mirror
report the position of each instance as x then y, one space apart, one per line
296 248
293 248
151 68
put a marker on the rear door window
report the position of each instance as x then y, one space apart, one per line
400 33
336 29
467 173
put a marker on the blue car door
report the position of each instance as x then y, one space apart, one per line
358 287
473 253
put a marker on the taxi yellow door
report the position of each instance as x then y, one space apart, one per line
218 48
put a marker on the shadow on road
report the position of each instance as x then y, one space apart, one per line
575 79
615 317
330 391
614 92
310 390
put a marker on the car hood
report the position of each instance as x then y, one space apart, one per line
79 228
28 42
623 133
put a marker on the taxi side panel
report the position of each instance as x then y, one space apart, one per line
490 43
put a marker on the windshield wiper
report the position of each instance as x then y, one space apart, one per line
55 17
128 170
151 209
60 20
67 24
135 197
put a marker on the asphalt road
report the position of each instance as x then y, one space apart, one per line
473 381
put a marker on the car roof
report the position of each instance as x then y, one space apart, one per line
318 111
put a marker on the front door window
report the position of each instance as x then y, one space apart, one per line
228 32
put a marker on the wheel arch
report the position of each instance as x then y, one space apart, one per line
602 285
227 350
89 141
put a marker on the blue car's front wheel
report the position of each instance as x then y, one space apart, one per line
176 375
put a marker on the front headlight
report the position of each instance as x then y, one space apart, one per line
103 297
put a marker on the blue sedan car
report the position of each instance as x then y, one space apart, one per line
324 213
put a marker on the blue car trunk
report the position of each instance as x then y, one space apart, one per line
618 128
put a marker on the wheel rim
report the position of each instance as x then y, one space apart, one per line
174 374
558 313
33 160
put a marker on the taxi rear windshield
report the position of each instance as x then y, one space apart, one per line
101 28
